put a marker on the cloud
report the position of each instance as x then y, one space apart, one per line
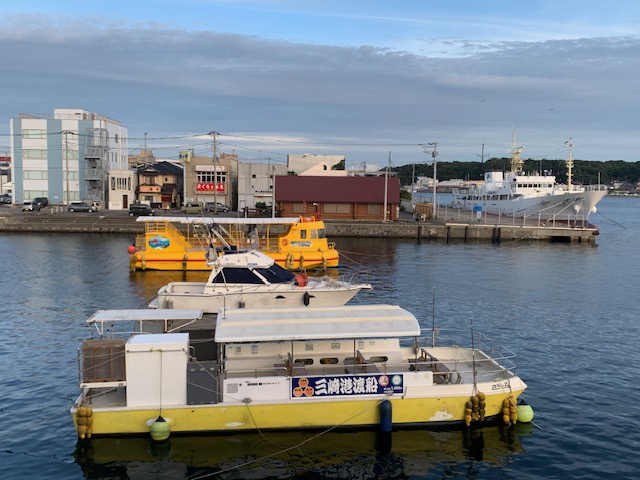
360 101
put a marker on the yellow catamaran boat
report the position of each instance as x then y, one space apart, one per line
295 243
288 368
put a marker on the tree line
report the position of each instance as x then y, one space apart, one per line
585 172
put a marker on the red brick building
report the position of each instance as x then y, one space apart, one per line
346 198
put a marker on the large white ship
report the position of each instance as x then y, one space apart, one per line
535 196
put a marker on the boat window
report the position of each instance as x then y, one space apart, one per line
303 361
322 233
314 234
276 274
237 275
328 361
303 234
378 359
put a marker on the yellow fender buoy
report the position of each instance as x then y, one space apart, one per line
84 422
468 415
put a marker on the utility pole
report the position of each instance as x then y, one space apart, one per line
215 171
434 154
413 188
66 166
273 190
386 181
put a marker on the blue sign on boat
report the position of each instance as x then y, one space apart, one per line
302 387
477 208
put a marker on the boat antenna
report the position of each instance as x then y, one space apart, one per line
569 146
516 152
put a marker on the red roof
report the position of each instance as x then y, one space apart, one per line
292 188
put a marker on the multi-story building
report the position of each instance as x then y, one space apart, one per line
73 155
160 184
256 183
206 180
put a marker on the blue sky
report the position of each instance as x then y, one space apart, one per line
365 79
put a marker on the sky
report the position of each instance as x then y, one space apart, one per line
380 82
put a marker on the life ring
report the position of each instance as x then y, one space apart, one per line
285 242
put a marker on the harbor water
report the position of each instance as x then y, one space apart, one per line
570 312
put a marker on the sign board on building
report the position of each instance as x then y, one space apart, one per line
209 187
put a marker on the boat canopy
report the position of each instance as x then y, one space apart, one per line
224 220
142 315
320 323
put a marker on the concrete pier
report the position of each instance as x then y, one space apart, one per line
434 231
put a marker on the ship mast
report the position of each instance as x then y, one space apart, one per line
516 152
568 145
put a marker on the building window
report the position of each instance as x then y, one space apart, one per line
115 138
35 174
336 208
35 154
33 133
210 177
70 154
374 209
298 208
31 194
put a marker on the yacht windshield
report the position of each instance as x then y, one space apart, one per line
273 274
276 274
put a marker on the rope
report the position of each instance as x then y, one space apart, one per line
294 447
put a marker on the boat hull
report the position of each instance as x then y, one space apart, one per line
287 296
197 260
441 408
567 206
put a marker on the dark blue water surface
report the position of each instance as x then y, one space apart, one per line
570 312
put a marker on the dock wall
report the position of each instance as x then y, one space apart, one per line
421 232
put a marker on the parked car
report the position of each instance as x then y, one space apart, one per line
41 201
6 198
211 207
193 208
29 206
137 209
81 207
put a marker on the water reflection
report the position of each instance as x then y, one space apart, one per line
350 454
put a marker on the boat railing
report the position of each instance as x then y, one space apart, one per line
488 350
458 214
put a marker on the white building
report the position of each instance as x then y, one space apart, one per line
255 183
317 165
74 155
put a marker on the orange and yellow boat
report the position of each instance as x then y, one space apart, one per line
182 243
